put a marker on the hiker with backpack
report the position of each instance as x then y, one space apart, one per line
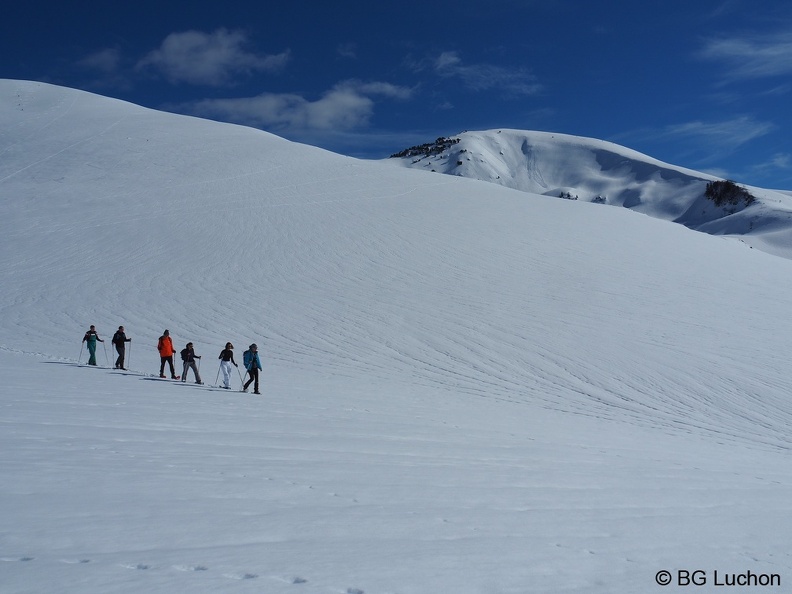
252 363
188 357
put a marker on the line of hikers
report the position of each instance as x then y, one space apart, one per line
250 358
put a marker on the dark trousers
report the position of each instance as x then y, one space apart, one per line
191 365
170 362
121 350
253 378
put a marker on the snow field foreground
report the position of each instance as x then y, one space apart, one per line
466 388
121 483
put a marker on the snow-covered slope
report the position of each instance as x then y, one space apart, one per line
593 170
464 390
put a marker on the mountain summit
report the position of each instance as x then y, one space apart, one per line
598 171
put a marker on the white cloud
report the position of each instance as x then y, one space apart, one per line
346 106
480 77
212 59
106 61
752 57
377 88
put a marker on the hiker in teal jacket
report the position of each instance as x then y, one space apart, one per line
252 363
90 338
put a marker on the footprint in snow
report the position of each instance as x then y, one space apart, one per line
292 580
241 576
191 567
138 566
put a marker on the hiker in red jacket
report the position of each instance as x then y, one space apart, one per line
165 348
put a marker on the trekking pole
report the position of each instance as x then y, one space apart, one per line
241 379
82 344
218 373
107 361
129 356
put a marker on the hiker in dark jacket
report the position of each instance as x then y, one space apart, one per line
119 340
226 360
188 356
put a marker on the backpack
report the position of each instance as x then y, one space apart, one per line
184 353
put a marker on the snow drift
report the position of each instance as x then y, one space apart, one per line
465 390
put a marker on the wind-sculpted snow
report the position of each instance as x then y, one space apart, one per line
124 215
464 390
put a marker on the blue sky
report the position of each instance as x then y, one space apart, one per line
705 84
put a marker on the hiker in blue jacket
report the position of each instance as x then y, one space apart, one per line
252 363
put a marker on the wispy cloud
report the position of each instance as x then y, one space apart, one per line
481 77
347 50
725 8
106 61
778 162
702 142
211 59
348 105
728 133
748 57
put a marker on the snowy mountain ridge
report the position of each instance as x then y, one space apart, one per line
598 171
